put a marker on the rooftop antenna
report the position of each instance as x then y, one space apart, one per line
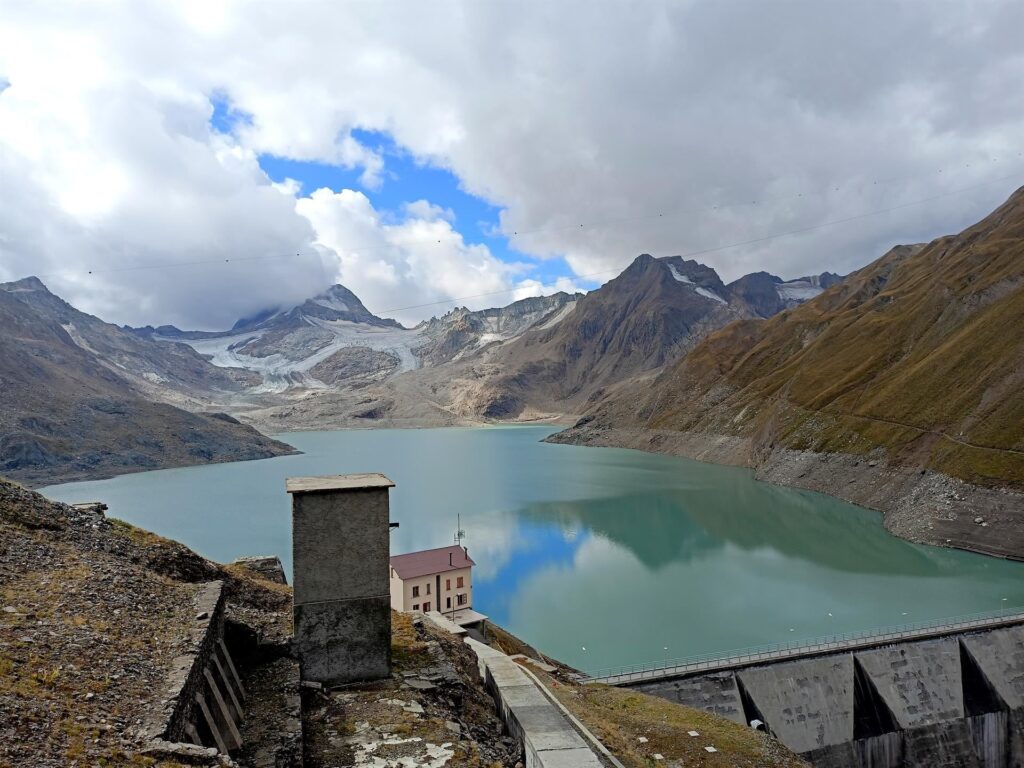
459 533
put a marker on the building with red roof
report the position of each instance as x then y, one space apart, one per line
435 580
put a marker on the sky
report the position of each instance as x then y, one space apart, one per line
198 161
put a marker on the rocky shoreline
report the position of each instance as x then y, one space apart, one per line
919 505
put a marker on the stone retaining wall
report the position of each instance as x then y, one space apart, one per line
202 705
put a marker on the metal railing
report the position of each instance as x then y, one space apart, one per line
813 646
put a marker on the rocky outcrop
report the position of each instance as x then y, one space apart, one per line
103 644
267 566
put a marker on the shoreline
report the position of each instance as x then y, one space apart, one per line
922 506
281 437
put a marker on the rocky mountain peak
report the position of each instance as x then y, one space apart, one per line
31 283
688 271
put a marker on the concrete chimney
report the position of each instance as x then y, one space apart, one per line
342 603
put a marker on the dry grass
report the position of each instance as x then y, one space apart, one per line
619 717
919 354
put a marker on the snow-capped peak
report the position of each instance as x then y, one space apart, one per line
331 302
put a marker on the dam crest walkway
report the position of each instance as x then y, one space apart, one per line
768 654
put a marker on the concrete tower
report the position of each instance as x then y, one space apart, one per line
342 604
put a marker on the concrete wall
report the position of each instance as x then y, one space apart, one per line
341 553
549 739
920 683
202 708
716 693
806 704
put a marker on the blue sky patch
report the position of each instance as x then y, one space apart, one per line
225 117
548 546
405 180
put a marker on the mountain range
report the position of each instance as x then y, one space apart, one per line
330 362
897 387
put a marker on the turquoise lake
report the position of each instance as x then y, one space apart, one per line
633 557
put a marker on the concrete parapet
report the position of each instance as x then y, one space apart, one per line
268 566
342 602
549 739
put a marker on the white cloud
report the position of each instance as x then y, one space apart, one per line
390 266
666 127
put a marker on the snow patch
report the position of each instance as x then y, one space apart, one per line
329 302
679 275
798 290
711 295
702 291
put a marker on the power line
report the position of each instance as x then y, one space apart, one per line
754 241
174 264
579 227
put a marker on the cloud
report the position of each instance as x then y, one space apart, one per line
390 266
665 127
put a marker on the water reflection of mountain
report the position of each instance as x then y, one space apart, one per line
667 526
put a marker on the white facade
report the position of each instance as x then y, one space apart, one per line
447 591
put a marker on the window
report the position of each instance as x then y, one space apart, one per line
428 587
462 599
448 584
426 607
416 607
458 582
416 591
448 602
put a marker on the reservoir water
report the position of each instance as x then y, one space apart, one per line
597 556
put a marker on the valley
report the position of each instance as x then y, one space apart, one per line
897 387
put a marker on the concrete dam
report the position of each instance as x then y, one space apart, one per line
953 700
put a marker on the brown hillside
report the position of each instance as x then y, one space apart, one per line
66 415
920 353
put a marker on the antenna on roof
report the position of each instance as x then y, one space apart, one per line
459 533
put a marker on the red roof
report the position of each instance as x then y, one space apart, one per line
429 561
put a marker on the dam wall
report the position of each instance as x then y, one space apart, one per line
950 701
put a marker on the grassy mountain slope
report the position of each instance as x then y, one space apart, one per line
918 358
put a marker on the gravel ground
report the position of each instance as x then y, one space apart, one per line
92 613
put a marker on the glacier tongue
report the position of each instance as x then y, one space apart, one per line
711 295
280 372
